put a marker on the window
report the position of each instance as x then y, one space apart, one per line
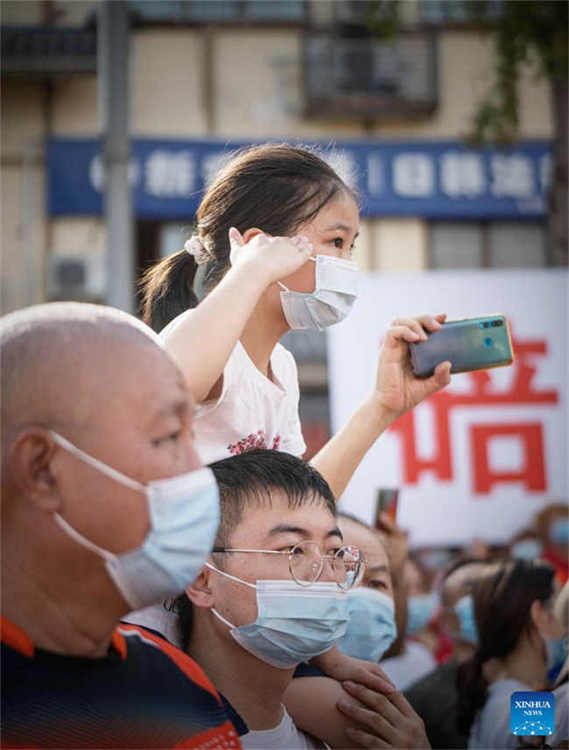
494 244
218 11
365 77
458 11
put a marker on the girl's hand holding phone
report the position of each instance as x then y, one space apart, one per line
397 389
271 257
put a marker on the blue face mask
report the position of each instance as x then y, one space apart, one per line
420 611
184 516
527 549
559 531
371 627
435 559
464 608
294 623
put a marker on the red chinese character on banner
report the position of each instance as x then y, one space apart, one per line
532 471
522 391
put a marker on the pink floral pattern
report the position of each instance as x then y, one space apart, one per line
254 440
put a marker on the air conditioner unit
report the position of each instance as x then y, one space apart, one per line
76 276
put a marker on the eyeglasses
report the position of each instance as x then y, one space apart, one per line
306 562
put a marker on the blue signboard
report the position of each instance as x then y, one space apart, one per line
430 179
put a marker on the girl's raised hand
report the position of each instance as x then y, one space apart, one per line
397 388
273 257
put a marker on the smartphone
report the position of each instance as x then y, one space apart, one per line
386 503
468 344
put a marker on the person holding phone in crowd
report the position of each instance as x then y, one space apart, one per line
272 253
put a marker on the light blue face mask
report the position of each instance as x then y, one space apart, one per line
420 611
294 623
527 549
559 531
371 628
184 516
464 608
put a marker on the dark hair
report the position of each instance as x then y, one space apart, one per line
502 611
249 479
275 187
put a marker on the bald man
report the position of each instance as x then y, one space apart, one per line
105 508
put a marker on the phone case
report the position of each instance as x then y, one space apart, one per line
469 344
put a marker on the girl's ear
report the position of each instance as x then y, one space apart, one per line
252 232
200 592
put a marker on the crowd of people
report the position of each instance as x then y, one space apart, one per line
174 574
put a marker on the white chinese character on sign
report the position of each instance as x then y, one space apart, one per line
413 175
374 174
97 173
462 175
545 172
170 174
512 176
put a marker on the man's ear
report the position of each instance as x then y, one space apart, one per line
252 232
200 592
31 460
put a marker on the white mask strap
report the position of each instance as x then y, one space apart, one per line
95 463
227 575
80 539
223 620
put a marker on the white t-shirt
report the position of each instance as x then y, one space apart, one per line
415 662
285 736
491 727
252 411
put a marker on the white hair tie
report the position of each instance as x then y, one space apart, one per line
194 247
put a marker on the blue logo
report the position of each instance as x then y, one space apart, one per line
532 713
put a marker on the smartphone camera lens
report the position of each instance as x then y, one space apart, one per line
496 323
486 324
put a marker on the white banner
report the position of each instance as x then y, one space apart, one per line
483 456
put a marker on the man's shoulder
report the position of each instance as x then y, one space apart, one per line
144 685
144 643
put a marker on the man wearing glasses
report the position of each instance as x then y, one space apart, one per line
273 593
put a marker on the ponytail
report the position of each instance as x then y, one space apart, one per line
472 689
166 289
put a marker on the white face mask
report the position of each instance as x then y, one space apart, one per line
184 516
294 623
334 294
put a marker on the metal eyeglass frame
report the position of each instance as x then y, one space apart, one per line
291 553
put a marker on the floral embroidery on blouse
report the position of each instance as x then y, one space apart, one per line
254 440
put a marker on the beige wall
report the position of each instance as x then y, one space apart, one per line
256 93
23 221
466 69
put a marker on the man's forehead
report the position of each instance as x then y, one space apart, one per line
272 510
